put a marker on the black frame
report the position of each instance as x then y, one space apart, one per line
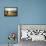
15 11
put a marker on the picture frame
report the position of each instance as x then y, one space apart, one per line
10 11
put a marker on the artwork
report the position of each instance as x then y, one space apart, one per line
10 11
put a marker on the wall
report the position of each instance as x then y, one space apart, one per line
29 12
34 12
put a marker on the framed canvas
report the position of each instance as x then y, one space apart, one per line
10 11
